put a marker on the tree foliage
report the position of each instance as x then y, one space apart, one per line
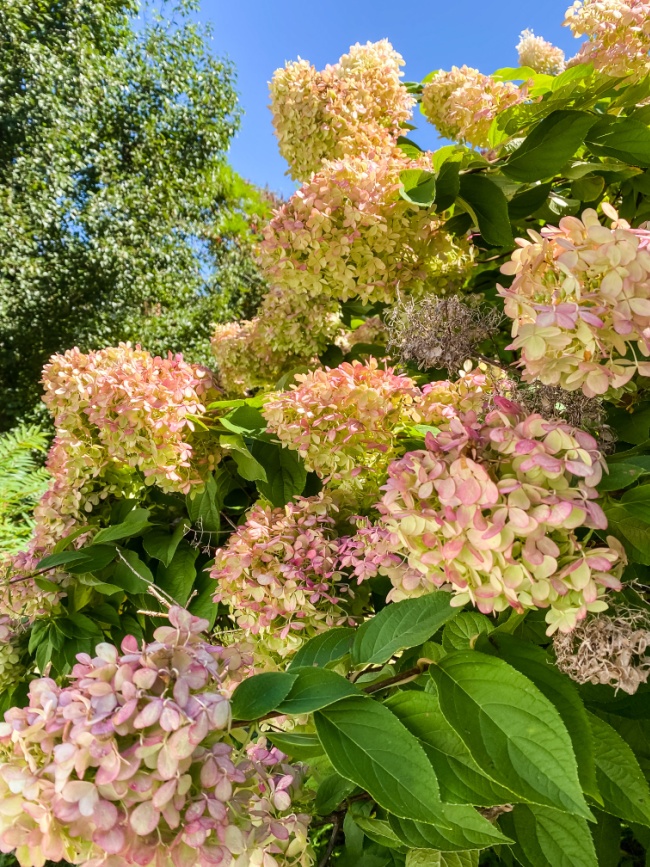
119 218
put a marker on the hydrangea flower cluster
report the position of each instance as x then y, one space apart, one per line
462 103
290 330
343 420
580 303
351 107
131 409
131 763
278 573
618 35
537 53
347 233
489 509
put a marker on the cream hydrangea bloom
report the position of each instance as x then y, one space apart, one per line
580 303
347 109
618 35
462 103
539 54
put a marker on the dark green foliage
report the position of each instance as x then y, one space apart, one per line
119 218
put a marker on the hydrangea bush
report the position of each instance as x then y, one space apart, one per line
375 591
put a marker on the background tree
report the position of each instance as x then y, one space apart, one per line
119 218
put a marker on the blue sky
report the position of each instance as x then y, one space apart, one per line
260 35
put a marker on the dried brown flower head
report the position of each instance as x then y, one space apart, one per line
607 649
440 333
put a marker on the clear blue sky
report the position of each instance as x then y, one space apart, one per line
260 35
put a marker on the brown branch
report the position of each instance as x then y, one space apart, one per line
336 827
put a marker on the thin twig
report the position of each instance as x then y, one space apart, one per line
336 826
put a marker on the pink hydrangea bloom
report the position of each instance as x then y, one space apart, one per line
539 54
489 510
278 573
346 233
356 105
618 35
130 409
131 763
462 103
580 303
345 420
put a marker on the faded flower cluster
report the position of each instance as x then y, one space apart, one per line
540 55
462 103
131 763
278 574
618 35
347 233
580 303
348 109
489 508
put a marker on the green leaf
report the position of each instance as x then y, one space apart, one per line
491 208
549 836
461 780
160 544
588 189
177 579
433 858
96 557
622 784
247 466
401 625
134 575
409 147
524 204
322 649
204 507
368 745
447 185
632 531
462 632
203 604
331 792
466 829
296 745
512 731
315 688
549 146
607 839
247 420
260 694
285 472
620 476
533 663
135 522
418 187
378 830
623 138
63 558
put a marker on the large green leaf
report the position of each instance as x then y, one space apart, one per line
621 781
550 837
367 744
296 746
418 187
490 205
134 523
131 573
461 780
204 507
177 579
322 649
260 694
606 834
549 146
433 858
285 472
513 732
331 792
467 829
313 689
401 625
623 138
161 544
534 663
